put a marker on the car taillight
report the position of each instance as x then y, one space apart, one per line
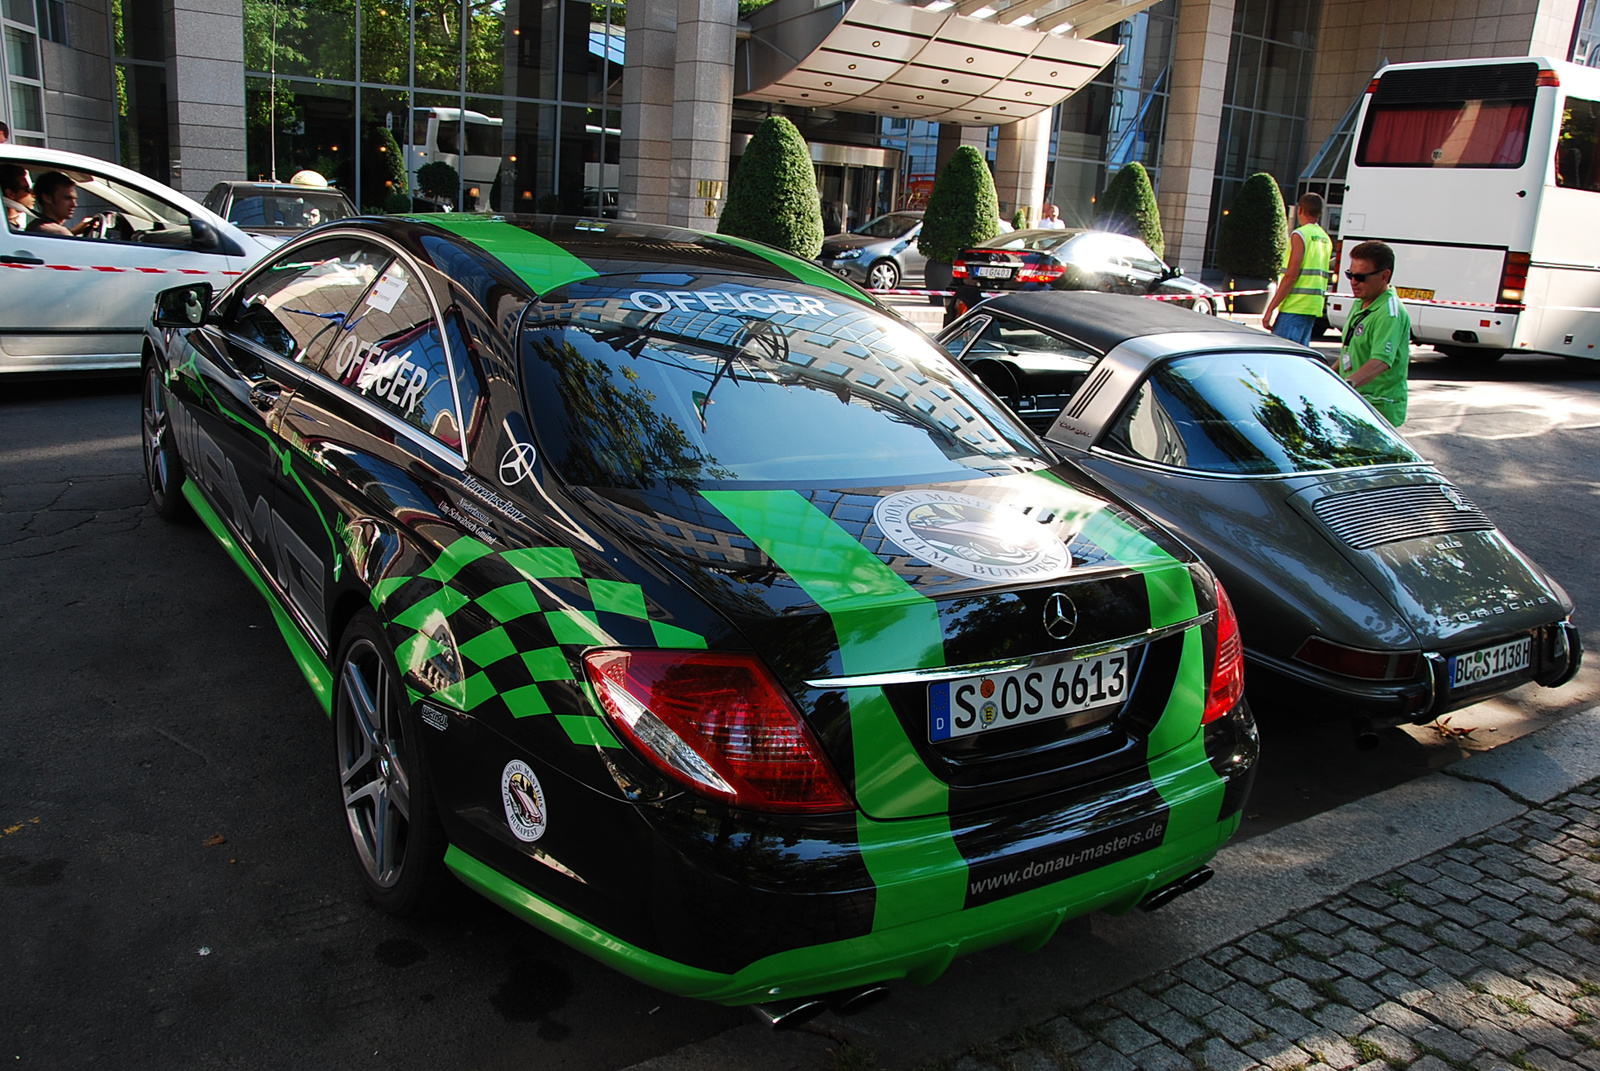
718 723
1040 273
958 270
1227 677
1356 662
1514 278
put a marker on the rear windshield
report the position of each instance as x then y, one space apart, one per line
891 226
287 209
1472 116
1253 414
707 380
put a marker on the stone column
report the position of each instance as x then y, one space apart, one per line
78 83
952 136
205 92
702 113
647 95
1194 120
1020 159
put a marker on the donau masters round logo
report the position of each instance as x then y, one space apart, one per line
523 798
970 537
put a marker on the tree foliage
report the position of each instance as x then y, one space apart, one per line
1253 239
773 196
438 181
963 209
1128 206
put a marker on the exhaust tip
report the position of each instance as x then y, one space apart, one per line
1174 889
850 1001
788 1014
1366 737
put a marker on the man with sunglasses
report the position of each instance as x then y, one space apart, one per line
1376 354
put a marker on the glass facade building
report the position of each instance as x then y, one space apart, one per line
467 104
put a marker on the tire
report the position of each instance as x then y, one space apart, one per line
1204 306
163 468
883 275
395 836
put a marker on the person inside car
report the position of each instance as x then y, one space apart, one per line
55 199
18 195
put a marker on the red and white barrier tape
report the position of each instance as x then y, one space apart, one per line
997 293
110 268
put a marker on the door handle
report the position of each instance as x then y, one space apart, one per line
19 258
265 395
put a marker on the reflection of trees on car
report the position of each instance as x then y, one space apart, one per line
617 436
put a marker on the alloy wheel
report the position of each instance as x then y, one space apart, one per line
373 763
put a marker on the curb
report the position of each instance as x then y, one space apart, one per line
1259 882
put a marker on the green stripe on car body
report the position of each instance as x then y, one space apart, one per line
304 654
803 270
537 261
879 621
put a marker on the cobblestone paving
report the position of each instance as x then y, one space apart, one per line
1481 957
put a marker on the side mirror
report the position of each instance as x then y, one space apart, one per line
203 237
182 306
1172 272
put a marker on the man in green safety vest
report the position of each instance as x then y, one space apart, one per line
1298 300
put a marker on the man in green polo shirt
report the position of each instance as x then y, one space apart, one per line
1376 354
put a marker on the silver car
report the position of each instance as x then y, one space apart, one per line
880 254
81 303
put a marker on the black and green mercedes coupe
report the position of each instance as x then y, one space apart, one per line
680 599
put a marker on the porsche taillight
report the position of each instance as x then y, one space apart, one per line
1357 661
718 723
1227 676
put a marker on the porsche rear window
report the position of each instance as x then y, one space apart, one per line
1253 414
700 380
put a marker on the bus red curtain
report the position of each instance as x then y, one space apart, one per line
1495 134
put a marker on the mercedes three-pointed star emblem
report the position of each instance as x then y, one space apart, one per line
1060 616
516 464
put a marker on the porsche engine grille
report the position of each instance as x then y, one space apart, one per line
1366 519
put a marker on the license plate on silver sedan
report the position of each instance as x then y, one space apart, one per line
1487 663
998 701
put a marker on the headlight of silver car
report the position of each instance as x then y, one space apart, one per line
847 254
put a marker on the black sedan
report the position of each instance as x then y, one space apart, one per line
1367 585
1072 259
277 209
677 597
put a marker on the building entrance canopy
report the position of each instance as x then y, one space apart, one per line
978 62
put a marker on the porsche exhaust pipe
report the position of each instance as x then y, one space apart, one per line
1174 889
1366 734
788 1014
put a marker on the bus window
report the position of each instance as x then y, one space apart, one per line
1577 165
1476 116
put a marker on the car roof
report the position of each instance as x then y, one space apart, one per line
548 252
1105 321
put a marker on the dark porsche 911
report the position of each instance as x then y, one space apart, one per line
683 601
1367 585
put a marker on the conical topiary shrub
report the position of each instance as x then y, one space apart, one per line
773 196
1128 206
963 209
1253 240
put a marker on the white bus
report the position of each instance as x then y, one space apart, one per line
1484 175
437 134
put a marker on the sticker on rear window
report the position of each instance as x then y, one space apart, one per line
764 304
970 537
